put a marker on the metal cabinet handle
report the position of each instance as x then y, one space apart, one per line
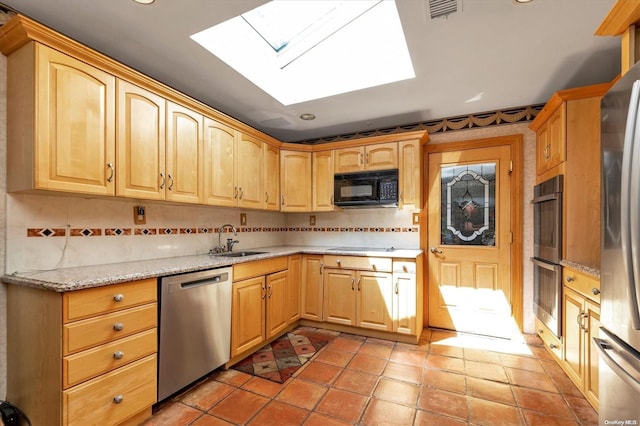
352 281
397 282
569 279
270 291
240 192
118 326
171 184
321 268
235 192
266 197
110 166
118 354
435 250
595 291
264 292
162 182
118 399
366 158
282 200
359 279
361 158
118 297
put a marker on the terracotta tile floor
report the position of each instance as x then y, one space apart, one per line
447 379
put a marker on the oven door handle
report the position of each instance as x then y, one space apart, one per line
547 197
546 265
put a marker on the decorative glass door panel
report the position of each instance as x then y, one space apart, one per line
468 204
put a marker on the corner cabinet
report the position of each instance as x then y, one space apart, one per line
83 357
61 113
551 142
295 181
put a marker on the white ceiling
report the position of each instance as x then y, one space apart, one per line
514 55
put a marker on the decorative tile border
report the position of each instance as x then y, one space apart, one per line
119 232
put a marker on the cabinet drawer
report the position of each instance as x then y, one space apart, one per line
586 285
404 266
242 271
91 363
94 402
551 342
85 334
101 300
358 262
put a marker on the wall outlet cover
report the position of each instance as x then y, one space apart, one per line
243 219
139 215
312 220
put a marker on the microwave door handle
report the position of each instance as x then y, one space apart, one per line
627 196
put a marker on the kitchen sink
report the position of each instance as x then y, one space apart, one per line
240 253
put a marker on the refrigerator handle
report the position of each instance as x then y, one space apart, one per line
621 361
630 180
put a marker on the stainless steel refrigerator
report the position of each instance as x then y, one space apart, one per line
619 340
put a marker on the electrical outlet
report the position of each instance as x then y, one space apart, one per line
243 219
139 215
312 220
416 218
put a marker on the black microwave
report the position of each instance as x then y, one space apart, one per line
366 189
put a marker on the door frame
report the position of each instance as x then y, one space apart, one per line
514 141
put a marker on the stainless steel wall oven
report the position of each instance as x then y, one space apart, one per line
547 252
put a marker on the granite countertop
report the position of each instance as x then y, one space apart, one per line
77 278
588 270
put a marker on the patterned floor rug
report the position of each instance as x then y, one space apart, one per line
281 358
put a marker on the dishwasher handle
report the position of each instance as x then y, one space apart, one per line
177 286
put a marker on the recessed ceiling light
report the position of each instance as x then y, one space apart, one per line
144 1
307 116
340 46
522 1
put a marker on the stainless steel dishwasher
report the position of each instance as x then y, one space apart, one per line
195 327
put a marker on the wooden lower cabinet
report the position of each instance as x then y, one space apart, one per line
580 358
312 287
83 357
262 297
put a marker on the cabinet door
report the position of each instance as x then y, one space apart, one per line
75 129
140 143
542 148
340 296
248 314
404 305
409 174
219 164
271 178
312 288
295 181
374 306
592 327
184 155
322 181
250 163
572 319
349 159
277 303
557 137
293 287
381 156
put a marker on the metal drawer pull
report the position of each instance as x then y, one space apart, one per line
118 326
118 354
118 399
118 297
552 345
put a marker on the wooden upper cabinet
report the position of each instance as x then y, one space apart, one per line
371 157
271 178
61 120
551 141
295 181
409 173
140 142
219 164
184 155
322 181
250 172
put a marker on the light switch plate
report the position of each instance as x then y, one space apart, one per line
416 218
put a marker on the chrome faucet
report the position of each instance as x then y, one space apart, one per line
230 242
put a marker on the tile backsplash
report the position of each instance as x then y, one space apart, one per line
48 231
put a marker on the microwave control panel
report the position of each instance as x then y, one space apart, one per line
389 190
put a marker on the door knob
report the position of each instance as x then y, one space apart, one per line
435 250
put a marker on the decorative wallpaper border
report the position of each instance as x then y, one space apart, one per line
460 122
117 232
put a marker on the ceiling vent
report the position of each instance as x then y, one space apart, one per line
440 8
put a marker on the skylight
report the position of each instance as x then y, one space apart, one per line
298 51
